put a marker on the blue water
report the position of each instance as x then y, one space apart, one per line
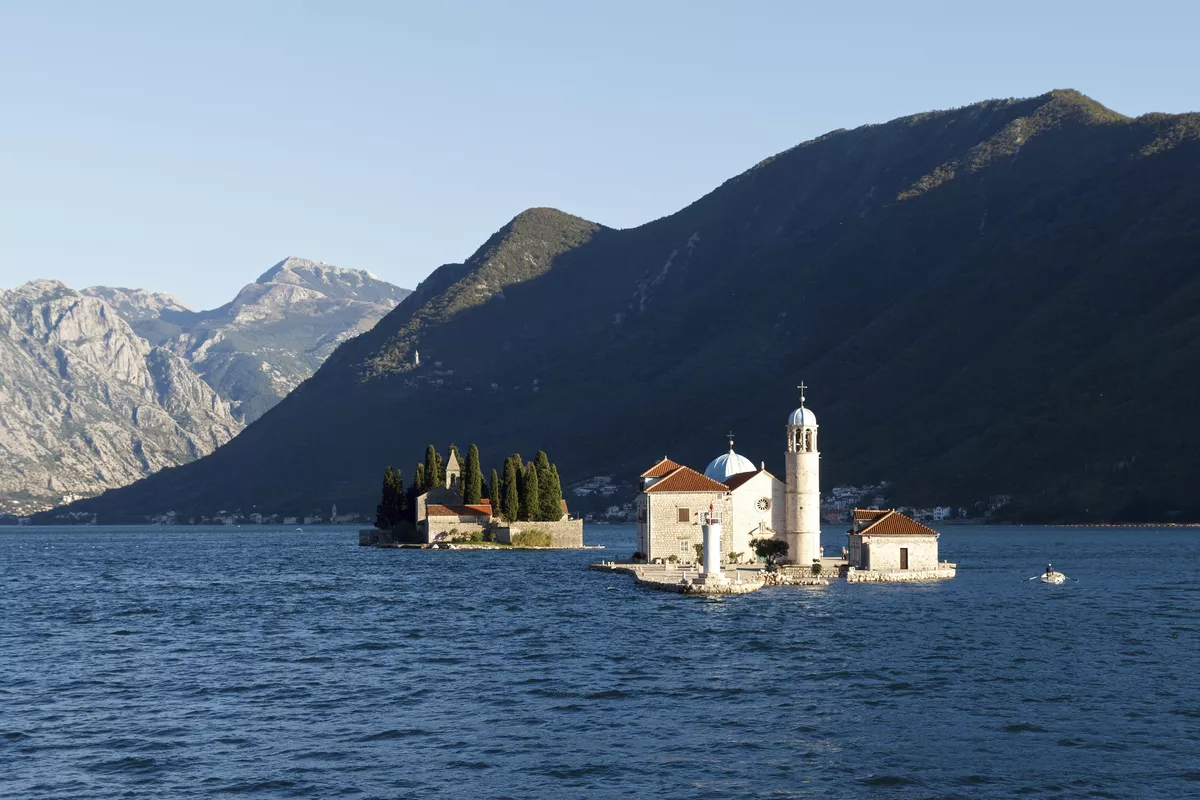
204 662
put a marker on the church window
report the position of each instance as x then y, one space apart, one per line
763 504
685 515
685 546
808 441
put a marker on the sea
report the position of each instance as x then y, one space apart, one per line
211 662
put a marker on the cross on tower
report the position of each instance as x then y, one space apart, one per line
731 440
802 387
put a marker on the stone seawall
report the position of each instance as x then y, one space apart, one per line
681 581
566 533
944 570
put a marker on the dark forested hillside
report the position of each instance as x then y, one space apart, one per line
1000 298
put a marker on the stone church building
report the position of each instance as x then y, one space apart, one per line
674 501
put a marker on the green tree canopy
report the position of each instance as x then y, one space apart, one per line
769 550
530 508
472 477
391 501
542 464
494 493
511 502
552 504
433 469
418 487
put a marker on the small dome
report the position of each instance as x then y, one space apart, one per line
802 416
726 466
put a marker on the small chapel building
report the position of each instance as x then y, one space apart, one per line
884 541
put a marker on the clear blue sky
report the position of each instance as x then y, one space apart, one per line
186 147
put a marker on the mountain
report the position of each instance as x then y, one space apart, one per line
995 299
87 403
272 335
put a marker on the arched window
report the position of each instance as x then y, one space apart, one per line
808 441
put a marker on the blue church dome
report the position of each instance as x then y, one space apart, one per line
726 466
802 416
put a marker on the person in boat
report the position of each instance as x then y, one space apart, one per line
1049 569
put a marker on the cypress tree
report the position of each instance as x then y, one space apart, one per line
401 495
511 501
383 517
418 484
415 490
530 509
552 507
542 464
472 477
432 469
494 493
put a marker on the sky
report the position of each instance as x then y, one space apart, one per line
187 147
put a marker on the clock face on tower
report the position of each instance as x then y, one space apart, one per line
764 503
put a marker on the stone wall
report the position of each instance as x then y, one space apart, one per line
566 533
663 535
943 570
442 529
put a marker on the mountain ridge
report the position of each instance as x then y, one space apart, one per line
958 338
248 352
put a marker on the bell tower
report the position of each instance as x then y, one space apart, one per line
802 519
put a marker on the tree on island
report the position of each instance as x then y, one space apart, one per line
511 501
542 464
433 469
472 478
494 492
392 501
770 550
529 507
552 506
417 489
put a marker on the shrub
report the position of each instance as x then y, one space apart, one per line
534 537
699 548
638 556
674 559
769 549
734 558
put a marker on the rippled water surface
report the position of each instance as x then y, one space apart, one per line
201 662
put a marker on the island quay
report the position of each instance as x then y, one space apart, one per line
733 509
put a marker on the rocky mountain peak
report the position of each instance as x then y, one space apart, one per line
137 304
86 404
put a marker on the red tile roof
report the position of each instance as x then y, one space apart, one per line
863 514
686 479
439 510
660 469
893 523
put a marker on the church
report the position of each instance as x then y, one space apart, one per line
674 501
